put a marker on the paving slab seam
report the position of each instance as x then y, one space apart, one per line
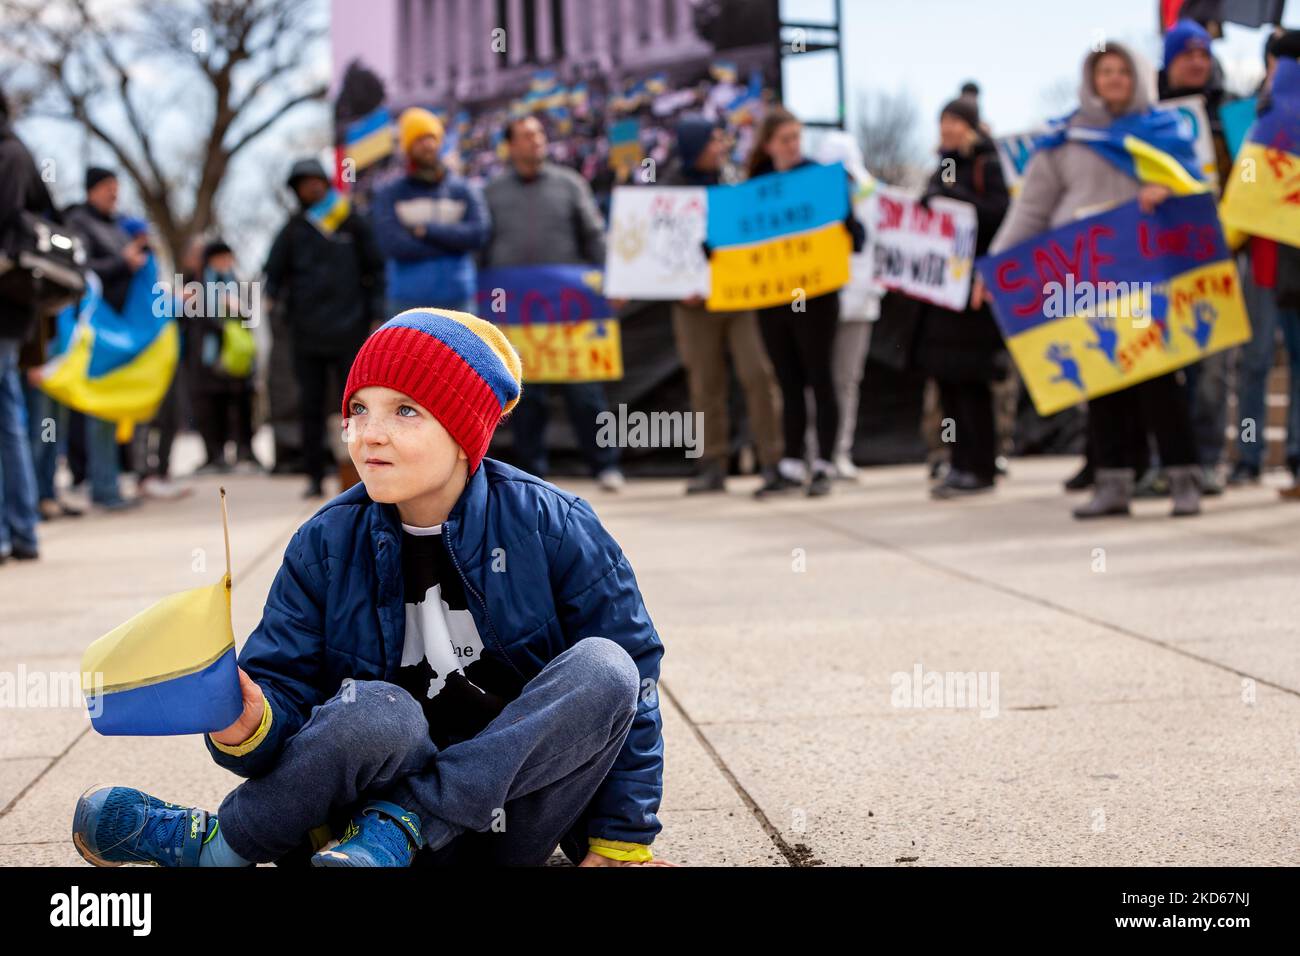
257 560
792 856
1043 602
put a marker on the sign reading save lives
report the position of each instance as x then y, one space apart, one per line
1115 299
557 320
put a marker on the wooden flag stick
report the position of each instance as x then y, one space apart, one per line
225 530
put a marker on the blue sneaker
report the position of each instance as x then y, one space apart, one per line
381 834
116 825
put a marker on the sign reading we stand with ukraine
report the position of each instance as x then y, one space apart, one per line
556 318
1117 298
776 236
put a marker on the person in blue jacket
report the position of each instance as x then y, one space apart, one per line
429 224
454 664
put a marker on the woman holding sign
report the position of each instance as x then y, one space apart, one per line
1084 166
963 350
800 337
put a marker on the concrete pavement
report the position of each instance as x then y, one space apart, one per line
871 678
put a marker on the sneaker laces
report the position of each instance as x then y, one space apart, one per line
389 834
164 823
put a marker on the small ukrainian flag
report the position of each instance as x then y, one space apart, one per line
169 670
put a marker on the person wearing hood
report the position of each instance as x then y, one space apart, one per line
963 350
1191 70
1071 179
430 223
705 339
859 306
325 275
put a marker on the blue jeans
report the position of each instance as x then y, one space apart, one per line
528 421
507 796
102 464
18 515
47 419
1256 358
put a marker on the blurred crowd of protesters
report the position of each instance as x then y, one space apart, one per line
332 274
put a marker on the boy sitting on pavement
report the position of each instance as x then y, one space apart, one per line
454 659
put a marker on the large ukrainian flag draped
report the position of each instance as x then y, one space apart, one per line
1262 197
170 669
1151 147
116 366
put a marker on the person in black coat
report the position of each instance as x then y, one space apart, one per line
21 189
963 351
326 273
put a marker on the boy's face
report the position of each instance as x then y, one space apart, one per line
402 453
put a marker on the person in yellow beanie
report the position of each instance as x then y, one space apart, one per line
429 223
416 123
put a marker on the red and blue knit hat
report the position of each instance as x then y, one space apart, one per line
462 369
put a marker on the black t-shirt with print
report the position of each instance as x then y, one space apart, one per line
444 666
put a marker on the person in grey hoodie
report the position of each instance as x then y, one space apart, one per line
1072 181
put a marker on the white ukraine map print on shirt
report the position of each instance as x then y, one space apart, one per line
447 639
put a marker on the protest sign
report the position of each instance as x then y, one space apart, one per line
777 237
1196 126
557 320
1263 193
1115 299
1014 153
656 243
924 253
1236 117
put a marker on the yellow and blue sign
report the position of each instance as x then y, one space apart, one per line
111 365
171 669
556 318
1263 193
1115 299
776 236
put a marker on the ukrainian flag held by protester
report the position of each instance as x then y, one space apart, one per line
1151 147
1262 197
369 139
171 669
111 365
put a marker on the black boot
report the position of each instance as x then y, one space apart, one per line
1082 479
711 477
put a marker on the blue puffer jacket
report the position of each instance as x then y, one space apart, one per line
335 610
435 269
